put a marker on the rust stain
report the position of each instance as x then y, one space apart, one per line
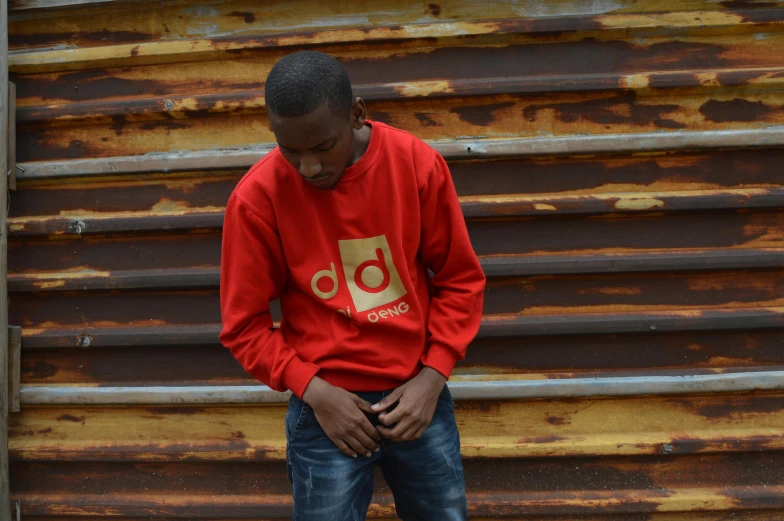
434 9
481 115
745 4
620 109
71 418
425 120
249 18
735 110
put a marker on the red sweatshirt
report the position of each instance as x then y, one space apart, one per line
350 266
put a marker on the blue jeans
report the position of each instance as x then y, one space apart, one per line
426 475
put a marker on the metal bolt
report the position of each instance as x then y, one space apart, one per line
168 104
76 227
667 449
84 340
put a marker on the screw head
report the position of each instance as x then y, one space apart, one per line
168 104
77 227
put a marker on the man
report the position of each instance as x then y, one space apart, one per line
343 222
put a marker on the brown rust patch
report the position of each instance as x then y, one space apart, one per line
135 51
89 85
249 18
434 9
739 407
742 4
620 109
39 370
480 115
35 147
118 122
425 120
735 110
559 420
238 435
70 418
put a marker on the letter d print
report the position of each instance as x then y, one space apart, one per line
371 275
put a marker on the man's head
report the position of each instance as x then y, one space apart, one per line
313 115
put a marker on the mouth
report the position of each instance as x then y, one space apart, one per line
321 181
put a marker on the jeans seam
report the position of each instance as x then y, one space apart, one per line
300 423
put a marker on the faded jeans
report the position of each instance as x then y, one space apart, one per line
425 476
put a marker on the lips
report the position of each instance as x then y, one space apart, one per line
321 182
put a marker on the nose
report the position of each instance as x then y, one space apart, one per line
309 166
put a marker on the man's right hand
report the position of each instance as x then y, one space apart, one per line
339 413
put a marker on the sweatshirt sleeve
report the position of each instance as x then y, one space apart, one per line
459 282
253 273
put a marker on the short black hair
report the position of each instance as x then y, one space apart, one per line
302 81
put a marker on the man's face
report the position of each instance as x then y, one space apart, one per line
319 145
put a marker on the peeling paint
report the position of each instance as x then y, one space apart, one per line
638 204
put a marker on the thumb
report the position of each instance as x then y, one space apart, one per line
387 401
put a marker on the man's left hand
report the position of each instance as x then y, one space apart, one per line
416 402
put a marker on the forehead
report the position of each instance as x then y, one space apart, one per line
308 130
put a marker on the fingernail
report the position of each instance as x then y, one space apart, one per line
376 450
354 456
368 455
374 406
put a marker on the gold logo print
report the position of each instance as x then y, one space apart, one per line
371 275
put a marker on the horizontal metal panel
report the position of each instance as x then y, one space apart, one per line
459 149
474 390
493 429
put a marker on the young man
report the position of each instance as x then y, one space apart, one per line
342 222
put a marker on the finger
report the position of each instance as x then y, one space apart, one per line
414 433
395 432
365 434
387 401
357 446
392 417
370 431
345 449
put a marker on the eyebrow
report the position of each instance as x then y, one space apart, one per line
311 148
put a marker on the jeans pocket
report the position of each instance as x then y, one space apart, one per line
296 417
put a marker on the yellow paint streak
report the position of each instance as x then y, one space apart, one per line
671 19
16 227
542 206
638 204
423 88
634 81
50 285
77 272
685 499
616 291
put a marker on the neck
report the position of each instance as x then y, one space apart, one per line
361 142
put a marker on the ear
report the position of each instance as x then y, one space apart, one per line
358 113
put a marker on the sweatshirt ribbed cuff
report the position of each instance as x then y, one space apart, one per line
298 375
440 358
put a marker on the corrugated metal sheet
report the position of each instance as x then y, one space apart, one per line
619 166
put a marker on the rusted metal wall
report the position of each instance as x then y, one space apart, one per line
620 167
